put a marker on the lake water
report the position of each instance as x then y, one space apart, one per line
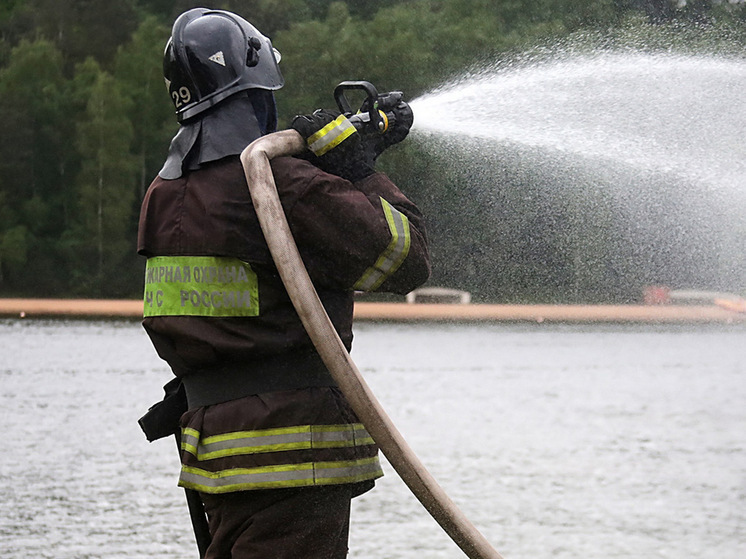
557 441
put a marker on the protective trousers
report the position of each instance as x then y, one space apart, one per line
306 523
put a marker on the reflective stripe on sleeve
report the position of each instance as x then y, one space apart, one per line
286 475
330 135
274 440
394 254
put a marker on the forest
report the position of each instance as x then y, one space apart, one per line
87 122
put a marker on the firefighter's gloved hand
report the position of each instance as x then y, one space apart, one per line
334 144
391 102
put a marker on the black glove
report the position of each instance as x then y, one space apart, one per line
393 104
334 144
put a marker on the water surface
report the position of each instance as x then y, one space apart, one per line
556 441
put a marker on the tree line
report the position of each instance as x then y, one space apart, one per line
87 122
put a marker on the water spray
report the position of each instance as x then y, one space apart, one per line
680 114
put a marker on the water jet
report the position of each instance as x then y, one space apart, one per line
585 176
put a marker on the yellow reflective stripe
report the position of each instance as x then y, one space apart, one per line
330 135
340 436
238 479
275 440
256 433
189 440
394 254
188 431
286 475
350 471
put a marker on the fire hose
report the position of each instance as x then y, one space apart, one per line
256 163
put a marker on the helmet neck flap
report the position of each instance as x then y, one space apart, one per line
224 130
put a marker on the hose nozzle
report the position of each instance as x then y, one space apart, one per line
384 116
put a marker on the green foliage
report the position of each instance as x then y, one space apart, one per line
87 122
139 70
104 186
413 45
12 249
34 148
270 16
32 89
408 46
7 7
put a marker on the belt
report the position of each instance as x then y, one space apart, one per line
231 382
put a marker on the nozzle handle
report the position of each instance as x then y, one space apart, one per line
372 97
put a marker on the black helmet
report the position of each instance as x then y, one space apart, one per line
213 54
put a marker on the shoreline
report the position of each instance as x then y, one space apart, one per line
414 312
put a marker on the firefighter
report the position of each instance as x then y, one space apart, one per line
268 440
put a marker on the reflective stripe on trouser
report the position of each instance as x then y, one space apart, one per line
286 475
330 135
394 254
346 437
274 440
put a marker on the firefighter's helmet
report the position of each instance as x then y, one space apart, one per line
213 54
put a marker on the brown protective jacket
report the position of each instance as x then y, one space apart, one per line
270 381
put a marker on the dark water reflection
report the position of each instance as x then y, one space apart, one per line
556 441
